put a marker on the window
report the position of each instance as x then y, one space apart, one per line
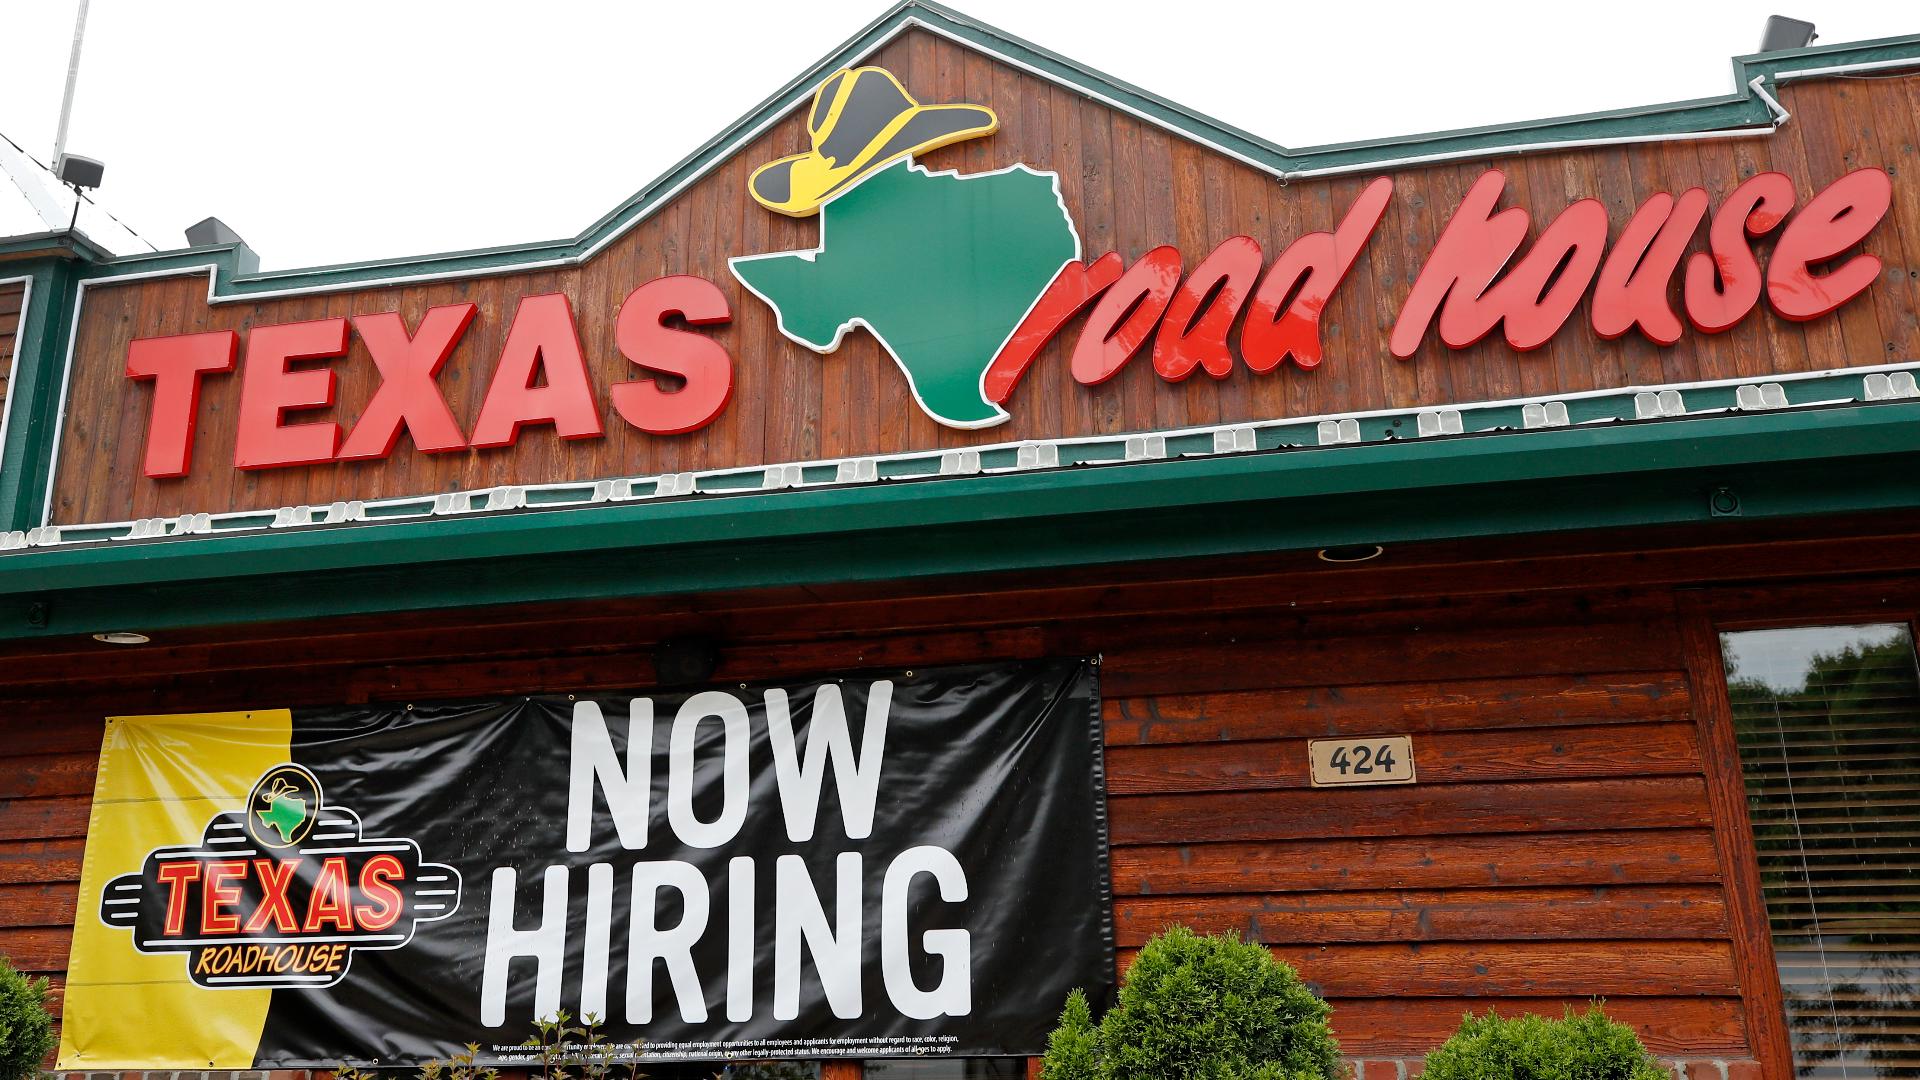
1828 722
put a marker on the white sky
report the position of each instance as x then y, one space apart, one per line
344 130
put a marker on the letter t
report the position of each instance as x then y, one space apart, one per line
175 365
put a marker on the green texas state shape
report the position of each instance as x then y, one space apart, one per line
940 268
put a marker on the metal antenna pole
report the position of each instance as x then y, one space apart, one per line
73 75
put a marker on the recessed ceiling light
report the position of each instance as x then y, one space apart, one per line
123 637
1351 553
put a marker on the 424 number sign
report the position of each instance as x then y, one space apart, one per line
1377 759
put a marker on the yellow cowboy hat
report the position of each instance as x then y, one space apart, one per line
862 118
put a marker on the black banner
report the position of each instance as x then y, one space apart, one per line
897 865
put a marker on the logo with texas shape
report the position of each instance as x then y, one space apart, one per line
282 807
940 267
280 892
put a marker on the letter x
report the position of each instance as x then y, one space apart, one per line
274 876
408 394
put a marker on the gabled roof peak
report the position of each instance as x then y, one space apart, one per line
1751 109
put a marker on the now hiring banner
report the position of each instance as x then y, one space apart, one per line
908 864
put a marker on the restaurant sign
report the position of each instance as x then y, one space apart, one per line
965 278
942 254
857 867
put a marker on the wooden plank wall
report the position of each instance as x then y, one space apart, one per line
1130 186
10 299
1559 845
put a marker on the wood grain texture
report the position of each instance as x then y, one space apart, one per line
38 904
1129 187
1511 969
1707 1026
1679 912
1565 840
1417 862
1454 758
1453 705
37 950
48 774
40 861
1411 810
57 818
1739 865
10 300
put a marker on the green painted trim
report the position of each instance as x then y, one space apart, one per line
1740 108
39 350
70 243
229 261
1824 461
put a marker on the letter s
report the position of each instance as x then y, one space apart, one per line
644 338
377 879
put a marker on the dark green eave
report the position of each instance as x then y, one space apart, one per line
1842 459
62 244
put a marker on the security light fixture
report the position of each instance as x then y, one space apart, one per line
1351 553
1785 33
212 233
122 637
685 661
79 171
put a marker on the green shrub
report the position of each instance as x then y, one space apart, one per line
1073 1050
1586 1046
26 1027
1199 1008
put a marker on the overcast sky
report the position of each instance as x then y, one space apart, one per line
345 130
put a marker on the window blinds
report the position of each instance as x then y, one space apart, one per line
1828 721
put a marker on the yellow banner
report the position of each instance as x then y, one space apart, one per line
161 779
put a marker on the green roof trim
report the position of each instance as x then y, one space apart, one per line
33 395
1840 459
1742 108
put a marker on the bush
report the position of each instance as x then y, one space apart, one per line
1578 1047
26 1027
1199 1008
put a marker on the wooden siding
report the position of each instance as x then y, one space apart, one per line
1130 186
10 301
1564 841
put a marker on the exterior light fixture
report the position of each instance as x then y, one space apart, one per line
81 172
685 661
1785 33
122 637
212 232
1351 553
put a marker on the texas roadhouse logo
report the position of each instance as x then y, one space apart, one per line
964 279
280 892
